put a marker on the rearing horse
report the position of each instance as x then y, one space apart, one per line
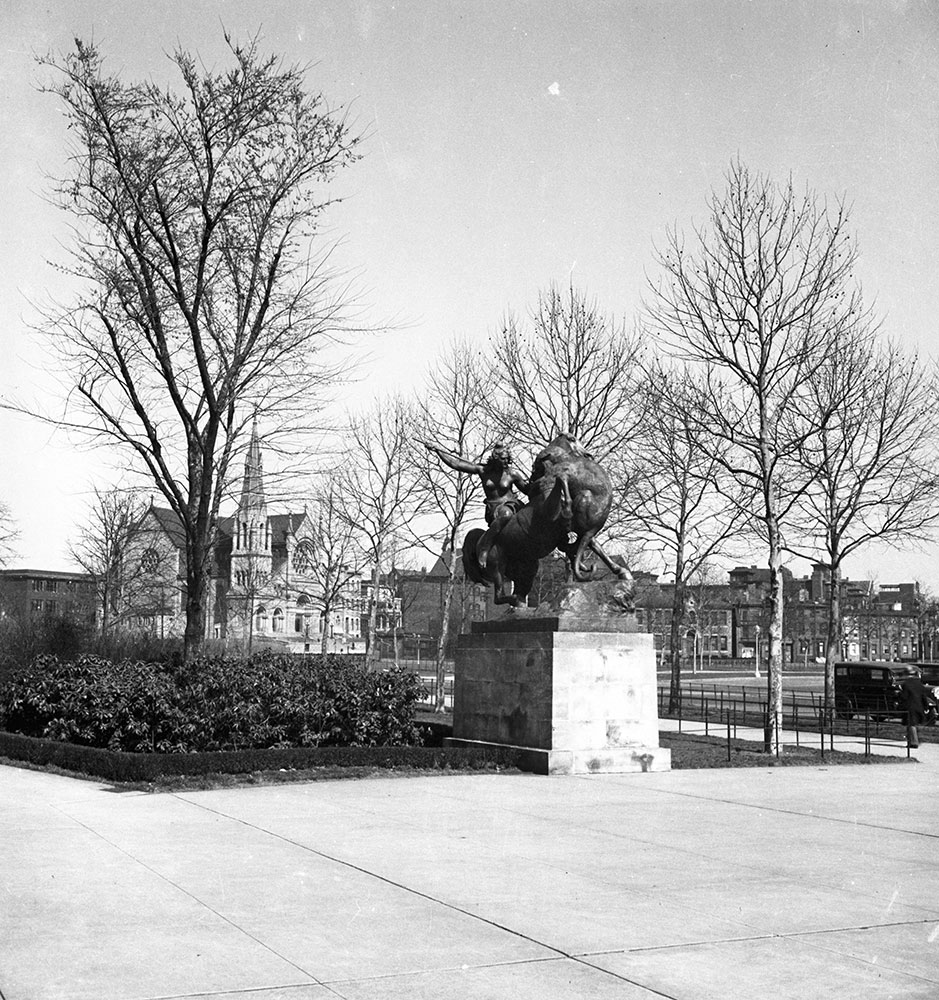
571 496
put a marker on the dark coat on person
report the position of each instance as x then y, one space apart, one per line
916 699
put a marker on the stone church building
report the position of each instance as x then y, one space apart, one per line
262 588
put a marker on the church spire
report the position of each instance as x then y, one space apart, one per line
252 490
252 530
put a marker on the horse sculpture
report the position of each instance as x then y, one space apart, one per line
570 499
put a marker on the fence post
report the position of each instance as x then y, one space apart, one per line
728 736
867 734
795 713
705 706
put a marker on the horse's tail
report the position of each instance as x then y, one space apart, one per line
470 562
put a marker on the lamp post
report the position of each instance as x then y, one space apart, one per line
756 650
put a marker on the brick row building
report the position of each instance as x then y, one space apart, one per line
730 620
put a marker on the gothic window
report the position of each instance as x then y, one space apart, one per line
150 561
277 620
260 616
302 556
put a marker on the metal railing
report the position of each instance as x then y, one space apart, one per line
803 718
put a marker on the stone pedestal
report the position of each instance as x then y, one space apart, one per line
578 696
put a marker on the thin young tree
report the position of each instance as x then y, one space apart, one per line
754 307
331 558
684 501
203 303
377 489
108 548
9 534
873 463
452 412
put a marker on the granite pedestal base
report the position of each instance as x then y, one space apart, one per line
576 700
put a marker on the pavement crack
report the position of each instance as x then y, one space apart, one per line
190 895
558 952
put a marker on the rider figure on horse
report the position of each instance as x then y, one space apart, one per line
499 480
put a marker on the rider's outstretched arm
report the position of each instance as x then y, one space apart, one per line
454 461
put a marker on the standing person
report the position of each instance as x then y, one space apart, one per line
915 697
499 480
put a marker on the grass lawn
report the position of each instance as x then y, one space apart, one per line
691 750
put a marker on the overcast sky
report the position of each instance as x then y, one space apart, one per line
509 144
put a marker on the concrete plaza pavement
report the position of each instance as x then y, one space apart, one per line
796 882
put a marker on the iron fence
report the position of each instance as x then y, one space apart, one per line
803 718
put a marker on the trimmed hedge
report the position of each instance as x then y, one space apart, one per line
118 766
212 704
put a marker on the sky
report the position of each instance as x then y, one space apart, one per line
507 145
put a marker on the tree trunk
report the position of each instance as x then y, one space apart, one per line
678 615
439 701
197 586
194 636
775 659
833 645
324 634
371 646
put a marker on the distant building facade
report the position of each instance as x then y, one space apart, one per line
732 620
33 593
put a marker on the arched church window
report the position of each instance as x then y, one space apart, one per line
303 556
277 620
260 619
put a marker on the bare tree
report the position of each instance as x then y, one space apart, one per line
685 503
377 489
9 534
107 547
754 308
452 411
873 461
330 559
203 304
572 369
249 582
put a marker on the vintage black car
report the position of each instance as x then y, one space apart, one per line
869 688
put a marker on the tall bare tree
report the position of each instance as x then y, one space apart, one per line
685 503
107 547
203 302
754 308
377 489
452 412
572 369
874 462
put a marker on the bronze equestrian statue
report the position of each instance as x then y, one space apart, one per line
570 496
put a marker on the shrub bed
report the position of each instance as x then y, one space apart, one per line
212 704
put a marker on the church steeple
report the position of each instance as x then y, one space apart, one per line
252 489
252 535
